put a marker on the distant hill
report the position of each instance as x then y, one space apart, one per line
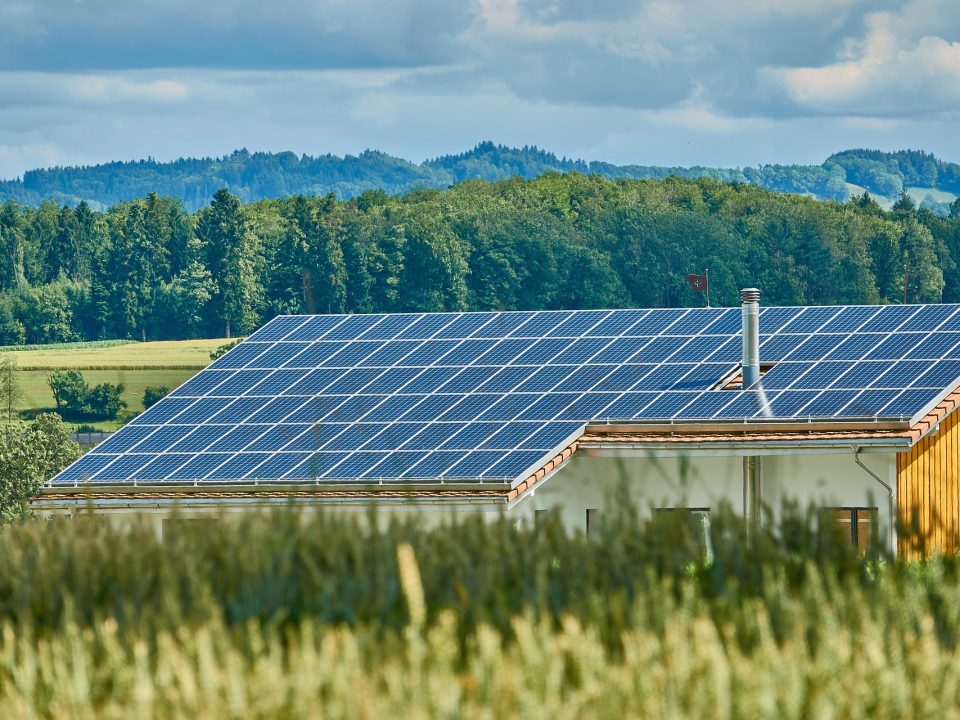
255 176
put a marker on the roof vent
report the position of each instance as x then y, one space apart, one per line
750 314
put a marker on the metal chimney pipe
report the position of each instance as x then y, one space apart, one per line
750 314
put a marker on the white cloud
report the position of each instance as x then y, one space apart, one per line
102 89
110 89
888 80
897 69
643 81
14 159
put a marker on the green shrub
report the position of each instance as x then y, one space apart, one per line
103 401
76 400
152 394
69 389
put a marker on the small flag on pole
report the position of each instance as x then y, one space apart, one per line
700 283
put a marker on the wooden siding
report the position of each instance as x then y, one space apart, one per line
928 490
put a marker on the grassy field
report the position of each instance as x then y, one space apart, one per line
280 616
918 194
134 365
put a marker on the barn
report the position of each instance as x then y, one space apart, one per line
849 408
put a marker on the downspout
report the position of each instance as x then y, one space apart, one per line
750 372
891 518
751 493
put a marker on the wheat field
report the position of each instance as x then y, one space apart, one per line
297 616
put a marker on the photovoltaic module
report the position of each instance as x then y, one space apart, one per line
474 397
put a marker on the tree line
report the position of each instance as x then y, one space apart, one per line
260 175
149 269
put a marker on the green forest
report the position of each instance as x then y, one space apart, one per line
150 269
264 175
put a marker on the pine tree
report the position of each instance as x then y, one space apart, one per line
231 251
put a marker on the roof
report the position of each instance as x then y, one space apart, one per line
492 398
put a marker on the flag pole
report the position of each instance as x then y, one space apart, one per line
706 277
906 279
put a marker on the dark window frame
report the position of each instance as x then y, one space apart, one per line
858 513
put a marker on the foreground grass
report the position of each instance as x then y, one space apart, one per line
131 364
327 616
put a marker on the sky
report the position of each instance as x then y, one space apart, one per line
653 82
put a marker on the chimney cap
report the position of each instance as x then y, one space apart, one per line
749 295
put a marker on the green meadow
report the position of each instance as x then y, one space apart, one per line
135 365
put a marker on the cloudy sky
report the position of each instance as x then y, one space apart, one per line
668 82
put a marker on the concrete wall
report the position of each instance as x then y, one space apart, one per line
705 481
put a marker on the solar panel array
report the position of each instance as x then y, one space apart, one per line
488 396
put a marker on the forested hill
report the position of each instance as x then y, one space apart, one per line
256 176
150 269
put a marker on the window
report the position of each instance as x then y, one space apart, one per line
694 522
857 525
593 519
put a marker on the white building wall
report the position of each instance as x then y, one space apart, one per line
706 481
592 482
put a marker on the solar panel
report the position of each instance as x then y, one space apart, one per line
471 436
319 464
465 352
202 384
512 464
162 466
465 325
624 377
772 319
236 439
277 437
353 380
276 382
583 378
811 319
849 319
746 403
501 325
435 464
314 328
281 326
488 395
426 327
277 466
282 352
707 405
389 327
616 323
579 323
508 407
669 404
630 405
552 435
473 464
394 465
237 466
432 436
